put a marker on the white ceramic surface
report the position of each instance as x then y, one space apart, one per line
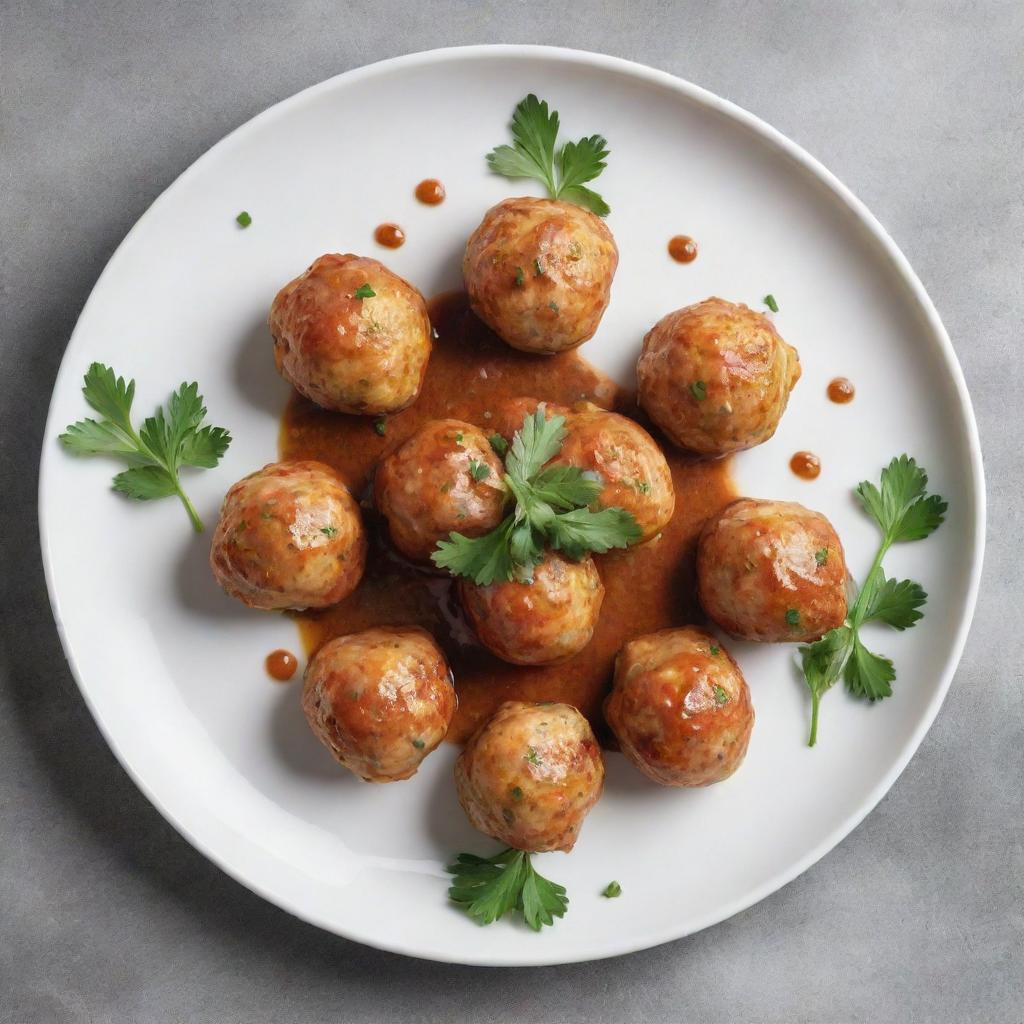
173 670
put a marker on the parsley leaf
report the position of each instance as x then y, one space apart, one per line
243 219
769 301
566 487
489 887
564 174
498 445
536 442
479 470
611 890
482 559
581 530
904 512
163 445
364 291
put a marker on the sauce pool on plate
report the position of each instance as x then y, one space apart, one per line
806 465
470 372
281 665
430 191
391 236
682 248
841 390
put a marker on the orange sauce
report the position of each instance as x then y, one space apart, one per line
470 372
841 390
281 665
389 235
430 191
806 465
682 248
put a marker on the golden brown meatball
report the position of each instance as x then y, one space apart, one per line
351 336
289 536
509 414
541 622
772 570
380 700
716 376
444 478
530 775
539 273
628 462
680 707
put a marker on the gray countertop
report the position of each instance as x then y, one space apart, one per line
106 914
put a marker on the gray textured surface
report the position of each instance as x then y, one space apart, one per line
107 915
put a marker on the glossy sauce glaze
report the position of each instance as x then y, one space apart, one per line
470 373
806 465
430 191
391 236
682 248
841 390
281 665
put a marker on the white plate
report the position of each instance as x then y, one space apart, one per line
173 670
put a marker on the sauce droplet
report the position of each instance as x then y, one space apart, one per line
389 235
281 665
683 249
430 191
806 465
841 390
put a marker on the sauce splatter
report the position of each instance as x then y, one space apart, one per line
281 665
682 248
806 465
841 390
430 191
470 373
391 236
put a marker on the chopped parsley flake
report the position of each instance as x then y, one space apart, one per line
792 617
244 220
699 390
611 890
769 301
721 697
364 291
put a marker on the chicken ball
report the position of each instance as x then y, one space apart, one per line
716 377
539 622
289 536
680 707
380 700
773 571
530 775
539 273
351 336
444 478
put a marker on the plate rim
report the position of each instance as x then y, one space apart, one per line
866 219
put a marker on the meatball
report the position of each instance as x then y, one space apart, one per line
716 376
509 414
530 775
680 707
539 273
772 570
289 536
541 622
628 462
444 478
380 700
351 336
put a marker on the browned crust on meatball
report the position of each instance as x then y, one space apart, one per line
716 376
680 707
539 273
772 571
530 775
537 623
357 355
380 701
289 536
426 488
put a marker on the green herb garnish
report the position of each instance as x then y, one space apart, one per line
821 556
532 155
904 512
364 291
380 427
699 390
487 888
611 890
479 470
792 617
551 509
538 269
498 445
721 697
329 531
520 277
243 219
769 301
164 444
418 744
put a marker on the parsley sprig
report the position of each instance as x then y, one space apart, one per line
532 155
489 887
551 510
904 512
163 444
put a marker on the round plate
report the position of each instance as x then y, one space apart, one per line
173 670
